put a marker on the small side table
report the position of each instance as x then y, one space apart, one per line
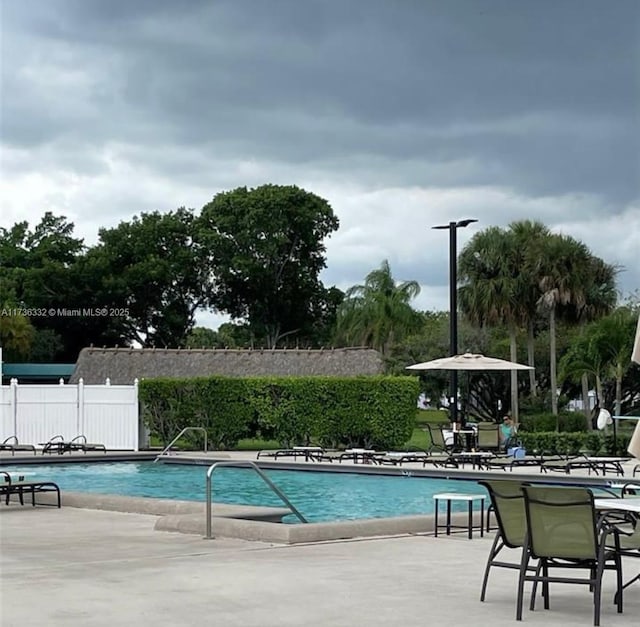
450 497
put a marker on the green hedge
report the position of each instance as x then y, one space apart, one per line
594 443
374 412
546 421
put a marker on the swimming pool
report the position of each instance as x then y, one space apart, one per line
320 496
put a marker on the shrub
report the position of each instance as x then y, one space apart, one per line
338 411
554 443
546 421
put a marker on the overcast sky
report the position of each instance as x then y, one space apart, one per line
403 114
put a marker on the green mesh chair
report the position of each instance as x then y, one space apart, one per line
507 502
563 533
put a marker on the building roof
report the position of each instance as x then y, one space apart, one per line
37 371
124 365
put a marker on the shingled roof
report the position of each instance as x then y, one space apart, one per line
123 365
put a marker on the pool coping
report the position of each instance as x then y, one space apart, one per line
247 522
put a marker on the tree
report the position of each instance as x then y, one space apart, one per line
266 253
600 299
203 337
378 313
38 272
156 273
16 333
603 350
561 264
528 236
492 288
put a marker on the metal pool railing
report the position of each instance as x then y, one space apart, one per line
166 448
261 474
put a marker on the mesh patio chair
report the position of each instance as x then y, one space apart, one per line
507 502
563 533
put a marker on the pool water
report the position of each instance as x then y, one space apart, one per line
319 496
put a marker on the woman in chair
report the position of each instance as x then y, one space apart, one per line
507 433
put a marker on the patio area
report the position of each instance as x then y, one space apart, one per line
78 567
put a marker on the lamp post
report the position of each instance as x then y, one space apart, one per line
453 306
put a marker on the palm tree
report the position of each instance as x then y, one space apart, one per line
492 286
561 264
378 313
613 339
16 332
600 299
529 236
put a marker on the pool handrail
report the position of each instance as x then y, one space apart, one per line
250 464
166 448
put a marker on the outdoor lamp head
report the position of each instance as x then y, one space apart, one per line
463 223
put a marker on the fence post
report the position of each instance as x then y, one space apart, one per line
136 404
80 413
13 400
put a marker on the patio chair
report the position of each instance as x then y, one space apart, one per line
507 502
56 444
563 532
79 443
13 483
629 546
11 444
397 458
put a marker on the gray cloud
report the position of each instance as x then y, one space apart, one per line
404 114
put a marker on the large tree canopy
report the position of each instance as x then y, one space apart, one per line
39 273
155 273
267 251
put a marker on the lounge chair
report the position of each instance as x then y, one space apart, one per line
364 455
12 444
510 462
79 443
57 444
563 532
597 465
310 453
17 483
397 458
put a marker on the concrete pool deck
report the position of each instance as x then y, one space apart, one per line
86 568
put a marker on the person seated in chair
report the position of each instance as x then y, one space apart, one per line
507 433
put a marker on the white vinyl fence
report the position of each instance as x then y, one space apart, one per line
107 414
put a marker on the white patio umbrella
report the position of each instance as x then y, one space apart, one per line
469 361
635 355
634 443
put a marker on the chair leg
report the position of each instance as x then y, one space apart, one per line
621 587
545 585
496 547
534 590
524 562
597 593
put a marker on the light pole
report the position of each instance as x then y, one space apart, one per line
453 306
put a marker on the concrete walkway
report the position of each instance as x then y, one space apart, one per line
84 568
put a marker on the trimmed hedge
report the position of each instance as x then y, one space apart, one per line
567 421
593 443
372 411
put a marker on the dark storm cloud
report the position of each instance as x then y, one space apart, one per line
310 82
402 114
